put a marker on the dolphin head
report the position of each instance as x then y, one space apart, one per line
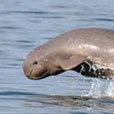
39 64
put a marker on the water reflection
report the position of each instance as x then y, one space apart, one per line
40 100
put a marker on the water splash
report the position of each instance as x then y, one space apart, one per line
101 88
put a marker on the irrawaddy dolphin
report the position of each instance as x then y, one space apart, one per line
87 51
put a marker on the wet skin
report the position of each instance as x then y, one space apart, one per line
87 51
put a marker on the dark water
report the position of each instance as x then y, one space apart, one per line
25 24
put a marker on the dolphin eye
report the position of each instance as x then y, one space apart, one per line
35 63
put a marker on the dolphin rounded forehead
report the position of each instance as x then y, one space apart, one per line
89 38
38 52
99 37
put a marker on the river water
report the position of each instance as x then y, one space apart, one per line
25 24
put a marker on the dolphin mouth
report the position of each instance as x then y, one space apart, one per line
44 75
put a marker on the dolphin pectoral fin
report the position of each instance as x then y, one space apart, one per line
70 61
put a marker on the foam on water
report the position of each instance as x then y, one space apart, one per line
101 88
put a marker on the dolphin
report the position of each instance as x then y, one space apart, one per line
89 51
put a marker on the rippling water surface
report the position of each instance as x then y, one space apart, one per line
25 24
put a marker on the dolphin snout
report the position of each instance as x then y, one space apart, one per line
34 72
27 70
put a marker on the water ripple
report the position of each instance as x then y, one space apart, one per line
105 19
26 12
12 93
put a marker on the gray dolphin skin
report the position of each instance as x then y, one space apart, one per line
86 51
